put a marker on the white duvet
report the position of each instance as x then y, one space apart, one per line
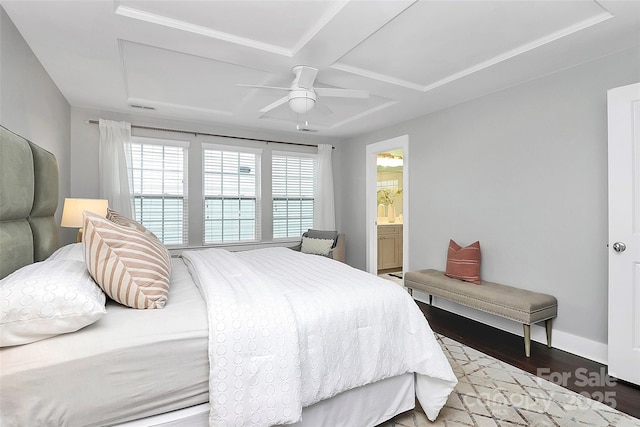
287 330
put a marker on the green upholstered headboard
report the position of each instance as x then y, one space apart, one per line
28 202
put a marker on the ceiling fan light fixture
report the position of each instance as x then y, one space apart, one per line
301 101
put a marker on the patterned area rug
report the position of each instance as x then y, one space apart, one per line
393 277
493 393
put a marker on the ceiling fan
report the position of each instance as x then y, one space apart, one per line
302 95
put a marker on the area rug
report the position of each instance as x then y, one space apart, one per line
493 393
393 277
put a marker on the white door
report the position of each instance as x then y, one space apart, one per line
624 232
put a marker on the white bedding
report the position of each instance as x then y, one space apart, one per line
136 363
289 329
128 365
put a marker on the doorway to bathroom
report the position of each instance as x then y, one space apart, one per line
389 166
387 195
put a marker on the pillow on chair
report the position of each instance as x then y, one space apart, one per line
316 246
322 234
464 263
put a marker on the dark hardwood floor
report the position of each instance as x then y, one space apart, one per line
574 372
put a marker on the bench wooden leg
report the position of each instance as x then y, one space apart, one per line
527 340
547 323
430 299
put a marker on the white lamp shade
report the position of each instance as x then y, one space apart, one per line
73 208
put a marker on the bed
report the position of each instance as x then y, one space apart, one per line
263 337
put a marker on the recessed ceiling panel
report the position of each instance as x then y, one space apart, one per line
280 23
179 79
186 57
433 40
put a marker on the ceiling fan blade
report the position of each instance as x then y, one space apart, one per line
305 76
341 93
263 87
275 104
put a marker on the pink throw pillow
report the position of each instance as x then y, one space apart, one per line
464 263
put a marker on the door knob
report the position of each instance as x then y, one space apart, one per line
619 247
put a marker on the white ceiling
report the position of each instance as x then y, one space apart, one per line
185 58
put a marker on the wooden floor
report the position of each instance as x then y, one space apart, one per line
582 375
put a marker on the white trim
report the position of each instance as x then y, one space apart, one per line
586 23
371 201
603 16
304 154
364 114
317 27
561 340
362 72
234 148
177 24
160 105
159 141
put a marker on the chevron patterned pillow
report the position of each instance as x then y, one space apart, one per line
132 267
120 219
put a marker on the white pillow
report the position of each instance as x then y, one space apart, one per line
69 252
48 298
316 246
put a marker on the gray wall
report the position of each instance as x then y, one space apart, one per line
32 106
524 171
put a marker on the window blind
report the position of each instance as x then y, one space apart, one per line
159 188
231 195
293 180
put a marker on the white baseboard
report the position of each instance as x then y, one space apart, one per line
574 344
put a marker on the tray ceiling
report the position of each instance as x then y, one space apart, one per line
184 59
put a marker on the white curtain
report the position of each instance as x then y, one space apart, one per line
324 216
114 153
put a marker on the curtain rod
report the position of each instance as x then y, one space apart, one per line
195 133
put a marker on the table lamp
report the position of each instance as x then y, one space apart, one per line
73 208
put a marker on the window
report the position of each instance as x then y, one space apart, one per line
231 194
158 171
388 185
293 179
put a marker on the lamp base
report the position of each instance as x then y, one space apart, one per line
79 238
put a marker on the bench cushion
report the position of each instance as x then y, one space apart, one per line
513 303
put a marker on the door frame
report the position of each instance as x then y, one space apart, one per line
371 200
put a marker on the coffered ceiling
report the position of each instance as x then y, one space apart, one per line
185 59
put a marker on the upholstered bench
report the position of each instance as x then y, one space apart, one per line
512 303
